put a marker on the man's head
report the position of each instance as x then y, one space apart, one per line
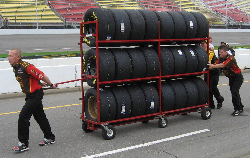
223 51
210 39
14 56
204 44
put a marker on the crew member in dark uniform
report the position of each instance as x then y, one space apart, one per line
29 78
233 72
213 80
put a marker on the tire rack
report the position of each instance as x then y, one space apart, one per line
107 127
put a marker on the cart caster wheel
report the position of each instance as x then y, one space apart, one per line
85 127
108 132
162 122
206 113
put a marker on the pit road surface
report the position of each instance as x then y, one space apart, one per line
69 42
186 136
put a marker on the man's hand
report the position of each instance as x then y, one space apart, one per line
210 66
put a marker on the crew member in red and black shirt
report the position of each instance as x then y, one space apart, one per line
29 78
233 72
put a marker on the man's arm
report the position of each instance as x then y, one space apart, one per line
47 80
216 66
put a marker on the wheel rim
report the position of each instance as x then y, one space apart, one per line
207 113
110 133
164 122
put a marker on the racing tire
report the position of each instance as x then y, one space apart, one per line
151 24
167 61
179 25
203 92
122 64
137 23
191 24
152 98
138 100
138 63
166 25
202 25
179 60
180 94
106 66
122 24
152 61
191 58
106 26
123 102
167 97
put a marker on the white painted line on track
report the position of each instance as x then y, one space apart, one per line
147 144
37 49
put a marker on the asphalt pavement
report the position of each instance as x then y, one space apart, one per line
70 42
187 136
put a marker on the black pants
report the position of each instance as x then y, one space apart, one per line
235 83
33 106
213 89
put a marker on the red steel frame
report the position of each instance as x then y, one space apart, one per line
92 125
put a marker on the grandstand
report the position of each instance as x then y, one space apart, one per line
69 13
30 13
229 10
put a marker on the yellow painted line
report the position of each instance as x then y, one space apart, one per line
53 107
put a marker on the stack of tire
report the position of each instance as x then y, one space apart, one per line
142 98
141 62
115 24
125 101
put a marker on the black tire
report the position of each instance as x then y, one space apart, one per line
202 25
138 101
191 24
122 64
179 25
167 25
202 88
167 61
192 92
167 97
180 94
202 57
90 105
152 98
85 127
112 103
152 61
106 25
179 60
110 134
191 57
206 113
106 66
138 63
123 102
163 122
122 24
137 23
151 24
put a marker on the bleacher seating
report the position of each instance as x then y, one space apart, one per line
62 12
228 9
119 4
159 5
27 13
72 10
199 6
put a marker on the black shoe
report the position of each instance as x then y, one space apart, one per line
237 112
21 147
219 105
212 106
